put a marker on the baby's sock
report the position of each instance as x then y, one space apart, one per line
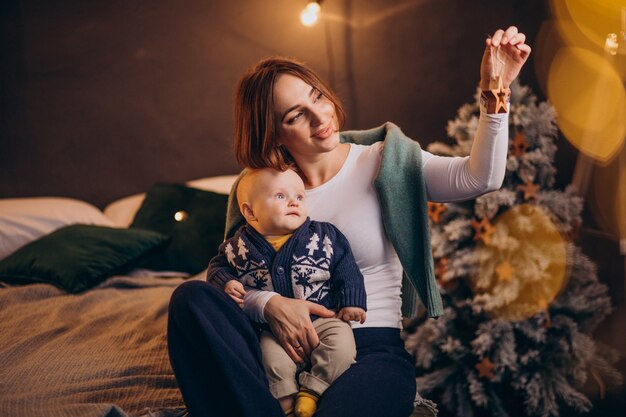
306 403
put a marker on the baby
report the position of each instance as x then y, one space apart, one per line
280 249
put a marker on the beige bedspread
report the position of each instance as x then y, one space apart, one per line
99 353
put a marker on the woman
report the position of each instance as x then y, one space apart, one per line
376 195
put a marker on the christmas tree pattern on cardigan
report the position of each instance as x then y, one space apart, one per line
252 274
310 275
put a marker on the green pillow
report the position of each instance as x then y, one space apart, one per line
78 257
193 218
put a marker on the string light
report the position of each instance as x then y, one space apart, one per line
311 13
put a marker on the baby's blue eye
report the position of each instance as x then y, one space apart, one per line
280 196
300 198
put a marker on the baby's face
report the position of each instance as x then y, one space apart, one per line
278 203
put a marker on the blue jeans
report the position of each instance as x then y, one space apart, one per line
215 353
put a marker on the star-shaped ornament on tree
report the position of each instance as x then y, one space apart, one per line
505 272
441 267
435 210
530 190
519 145
485 368
483 230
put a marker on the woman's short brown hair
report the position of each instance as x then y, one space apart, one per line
256 136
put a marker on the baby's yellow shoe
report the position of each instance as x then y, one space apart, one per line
306 403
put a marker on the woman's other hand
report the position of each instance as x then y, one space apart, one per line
512 55
290 322
349 314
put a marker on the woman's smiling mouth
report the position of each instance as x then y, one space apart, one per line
324 133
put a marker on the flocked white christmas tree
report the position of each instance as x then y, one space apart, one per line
521 299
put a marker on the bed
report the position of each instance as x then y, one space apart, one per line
84 296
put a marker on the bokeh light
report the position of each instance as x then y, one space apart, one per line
591 18
589 97
524 267
310 14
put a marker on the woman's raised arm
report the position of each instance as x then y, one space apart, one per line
461 178
454 179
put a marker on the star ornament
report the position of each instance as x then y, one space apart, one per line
485 368
505 272
529 189
502 97
441 267
483 230
435 210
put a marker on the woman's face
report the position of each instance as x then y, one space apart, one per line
306 120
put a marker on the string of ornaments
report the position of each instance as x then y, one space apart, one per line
521 300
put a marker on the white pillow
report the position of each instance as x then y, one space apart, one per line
23 220
122 212
220 184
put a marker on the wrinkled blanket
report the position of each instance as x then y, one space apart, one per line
99 353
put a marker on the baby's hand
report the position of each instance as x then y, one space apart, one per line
236 291
352 314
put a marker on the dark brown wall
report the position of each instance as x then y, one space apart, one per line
102 98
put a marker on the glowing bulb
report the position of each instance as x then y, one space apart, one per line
610 45
181 216
310 14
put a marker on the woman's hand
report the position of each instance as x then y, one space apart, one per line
290 322
512 55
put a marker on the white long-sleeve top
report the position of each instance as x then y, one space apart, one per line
447 179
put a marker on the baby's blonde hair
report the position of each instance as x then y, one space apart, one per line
248 182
